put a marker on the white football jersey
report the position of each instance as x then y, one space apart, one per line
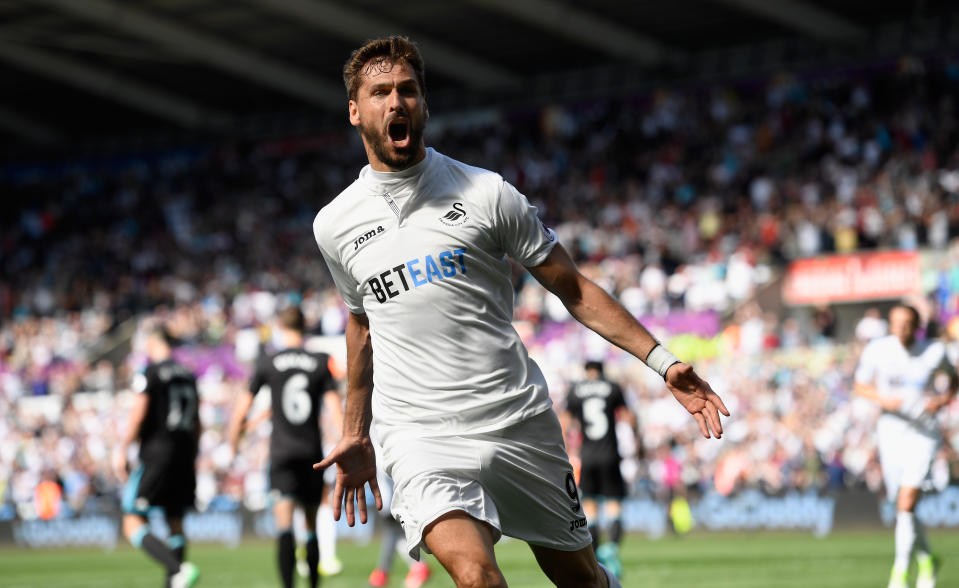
422 253
906 374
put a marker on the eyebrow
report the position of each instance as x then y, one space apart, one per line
401 84
376 86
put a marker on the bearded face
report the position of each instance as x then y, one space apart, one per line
390 113
396 143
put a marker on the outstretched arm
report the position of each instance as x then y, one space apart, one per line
353 455
253 422
869 392
597 310
333 405
923 405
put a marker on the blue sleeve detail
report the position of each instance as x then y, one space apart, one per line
130 492
137 538
176 541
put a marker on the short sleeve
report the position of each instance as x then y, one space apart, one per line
520 232
259 377
140 383
348 288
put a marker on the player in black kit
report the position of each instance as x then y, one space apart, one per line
594 404
164 418
298 381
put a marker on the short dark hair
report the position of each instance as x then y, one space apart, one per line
292 318
379 52
594 365
916 318
163 334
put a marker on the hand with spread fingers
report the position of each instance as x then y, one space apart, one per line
697 397
356 466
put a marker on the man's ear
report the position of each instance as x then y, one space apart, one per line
426 107
354 112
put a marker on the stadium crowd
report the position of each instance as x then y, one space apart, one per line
740 179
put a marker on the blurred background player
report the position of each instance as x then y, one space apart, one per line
911 381
330 564
165 420
392 543
298 381
596 404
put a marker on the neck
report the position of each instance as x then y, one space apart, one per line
293 339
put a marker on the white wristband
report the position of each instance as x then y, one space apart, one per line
660 359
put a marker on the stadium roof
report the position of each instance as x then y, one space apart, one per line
78 72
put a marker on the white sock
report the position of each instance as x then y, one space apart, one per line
613 581
299 526
326 528
905 539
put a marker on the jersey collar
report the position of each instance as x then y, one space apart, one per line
381 183
385 179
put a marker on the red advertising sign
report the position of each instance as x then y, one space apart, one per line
862 276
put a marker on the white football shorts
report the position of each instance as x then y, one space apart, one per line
517 479
905 456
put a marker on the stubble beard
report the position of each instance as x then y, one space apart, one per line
396 158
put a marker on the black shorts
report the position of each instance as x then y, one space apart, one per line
296 479
602 479
171 487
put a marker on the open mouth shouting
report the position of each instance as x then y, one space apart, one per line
399 133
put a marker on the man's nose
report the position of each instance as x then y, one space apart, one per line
394 101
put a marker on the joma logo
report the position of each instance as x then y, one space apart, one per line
366 237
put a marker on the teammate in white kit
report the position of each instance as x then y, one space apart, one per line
910 381
438 377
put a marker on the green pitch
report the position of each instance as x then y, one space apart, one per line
733 560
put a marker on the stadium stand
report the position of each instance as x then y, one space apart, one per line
741 177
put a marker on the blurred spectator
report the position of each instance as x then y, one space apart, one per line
681 200
871 325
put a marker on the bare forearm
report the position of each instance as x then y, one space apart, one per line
869 392
130 436
332 404
359 356
138 412
866 391
601 313
564 421
591 305
236 421
598 311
